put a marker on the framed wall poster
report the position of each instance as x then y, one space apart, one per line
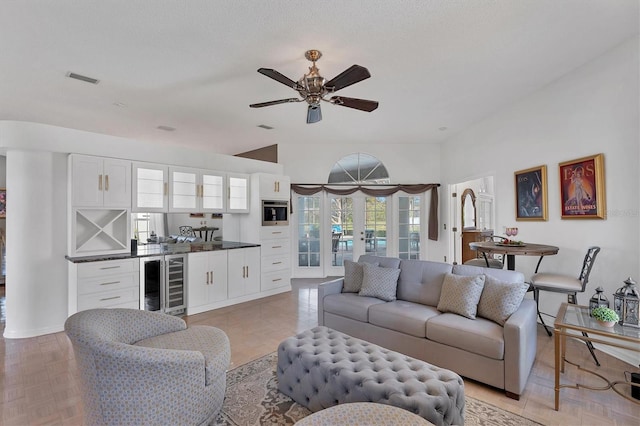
531 194
582 188
3 202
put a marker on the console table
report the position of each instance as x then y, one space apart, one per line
574 320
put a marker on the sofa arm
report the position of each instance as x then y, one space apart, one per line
520 345
329 287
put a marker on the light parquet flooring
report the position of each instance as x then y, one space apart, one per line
39 382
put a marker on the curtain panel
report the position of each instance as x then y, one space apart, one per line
383 191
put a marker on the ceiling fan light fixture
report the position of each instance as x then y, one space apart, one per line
312 88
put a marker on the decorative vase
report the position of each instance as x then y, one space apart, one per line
607 323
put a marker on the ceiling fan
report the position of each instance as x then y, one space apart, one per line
313 88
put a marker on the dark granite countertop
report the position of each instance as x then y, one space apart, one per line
165 249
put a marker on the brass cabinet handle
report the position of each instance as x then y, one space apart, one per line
211 272
110 283
207 274
110 298
106 182
99 182
277 279
166 188
109 267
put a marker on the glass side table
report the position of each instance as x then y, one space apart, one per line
574 320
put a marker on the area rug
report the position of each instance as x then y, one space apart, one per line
252 398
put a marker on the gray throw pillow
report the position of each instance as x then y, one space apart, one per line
379 282
353 274
461 294
500 299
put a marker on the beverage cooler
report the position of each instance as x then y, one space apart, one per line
162 283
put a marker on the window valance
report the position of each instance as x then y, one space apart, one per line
379 191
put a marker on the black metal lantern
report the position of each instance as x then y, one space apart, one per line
627 304
598 300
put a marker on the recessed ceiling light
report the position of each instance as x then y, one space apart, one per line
442 129
82 78
167 128
264 126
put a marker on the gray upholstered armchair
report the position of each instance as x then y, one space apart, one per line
141 368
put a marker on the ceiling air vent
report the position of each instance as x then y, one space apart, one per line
167 128
264 126
83 78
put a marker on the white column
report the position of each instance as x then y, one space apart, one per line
36 285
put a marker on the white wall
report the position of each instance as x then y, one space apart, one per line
37 278
592 110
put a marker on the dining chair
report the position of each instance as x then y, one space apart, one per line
335 241
187 231
559 283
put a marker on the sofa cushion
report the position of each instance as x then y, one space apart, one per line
479 336
501 274
353 273
379 282
420 281
461 294
500 299
385 262
405 317
350 305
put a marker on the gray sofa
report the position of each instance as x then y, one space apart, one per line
479 349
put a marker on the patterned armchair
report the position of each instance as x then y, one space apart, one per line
145 368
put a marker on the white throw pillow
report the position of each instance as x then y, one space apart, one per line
461 294
353 274
380 282
500 299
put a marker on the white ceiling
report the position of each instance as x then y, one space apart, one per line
192 64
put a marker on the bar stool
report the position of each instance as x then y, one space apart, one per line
569 285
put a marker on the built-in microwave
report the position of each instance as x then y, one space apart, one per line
275 213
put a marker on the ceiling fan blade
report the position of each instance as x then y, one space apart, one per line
361 104
314 114
271 73
351 75
280 101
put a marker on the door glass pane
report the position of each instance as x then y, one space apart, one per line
375 227
409 227
308 231
341 230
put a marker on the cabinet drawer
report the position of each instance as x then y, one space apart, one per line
275 263
275 280
270 232
275 248
109 299
107 283
107 267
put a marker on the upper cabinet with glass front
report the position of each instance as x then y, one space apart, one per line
100 182
238 193
192 190
150 188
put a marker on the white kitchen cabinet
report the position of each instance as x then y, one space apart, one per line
100 182
150 188
273 187
104 284
244 271
207 279
193 190
238 193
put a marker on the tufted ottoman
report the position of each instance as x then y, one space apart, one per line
321 367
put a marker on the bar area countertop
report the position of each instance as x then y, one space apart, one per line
165 249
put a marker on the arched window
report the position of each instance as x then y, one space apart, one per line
359 168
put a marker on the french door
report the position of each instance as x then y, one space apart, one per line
331 229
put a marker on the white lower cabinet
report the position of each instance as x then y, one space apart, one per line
244 271
104 284
276 257
207 280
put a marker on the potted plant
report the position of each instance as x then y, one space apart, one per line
605 316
